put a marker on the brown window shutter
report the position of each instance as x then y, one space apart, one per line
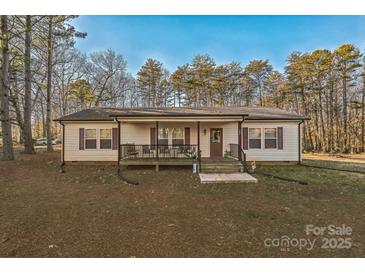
115 138
245 138
153 136
187 136
280 138
81 139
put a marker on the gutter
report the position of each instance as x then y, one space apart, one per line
176 115
278 119
83 120
249 118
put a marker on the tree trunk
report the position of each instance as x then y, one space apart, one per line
44 131
336 111
316 129
49 85
306 126
331 123
344 109
8 153
14 95
363 114
28 139
327 118
323 142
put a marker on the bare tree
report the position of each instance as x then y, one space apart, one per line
28 140
49 83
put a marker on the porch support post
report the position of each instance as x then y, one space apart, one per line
198 136
118 160
157 129
239 140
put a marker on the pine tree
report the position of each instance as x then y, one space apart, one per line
8 153
259 70
151 83
347 60
28 139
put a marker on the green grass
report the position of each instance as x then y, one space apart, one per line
88 212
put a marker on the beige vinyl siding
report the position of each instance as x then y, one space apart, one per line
139 133
290 142
230 135
135 133
72 152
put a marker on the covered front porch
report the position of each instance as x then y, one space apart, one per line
174 142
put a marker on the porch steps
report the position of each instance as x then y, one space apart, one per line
222 167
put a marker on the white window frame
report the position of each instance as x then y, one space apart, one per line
168 135
111 138
249 145
96 138
183 135
276 138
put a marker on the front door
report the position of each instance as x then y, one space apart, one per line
216 142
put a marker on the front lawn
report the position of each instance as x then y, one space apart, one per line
87 212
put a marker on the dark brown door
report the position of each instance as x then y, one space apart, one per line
216 142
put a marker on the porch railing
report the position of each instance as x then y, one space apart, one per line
161 151
235 151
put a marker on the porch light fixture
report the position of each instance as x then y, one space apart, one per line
205 131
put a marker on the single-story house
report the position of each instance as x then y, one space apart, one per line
181 135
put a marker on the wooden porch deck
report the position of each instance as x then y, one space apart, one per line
208 165
178 155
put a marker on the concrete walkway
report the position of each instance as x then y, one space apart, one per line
226 178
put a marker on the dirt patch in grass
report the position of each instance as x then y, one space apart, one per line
341 166
340 158
88 212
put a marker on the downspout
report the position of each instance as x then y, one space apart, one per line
199 152
240 149
118 157
62 167
299 143
157 147
119 174
239 135
243 120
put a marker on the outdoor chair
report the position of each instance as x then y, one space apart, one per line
147 151
131 150
164 151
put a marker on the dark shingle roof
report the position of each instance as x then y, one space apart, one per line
252 113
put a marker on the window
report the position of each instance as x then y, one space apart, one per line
105 138
90 138
177 136
216 136
254 136
163 136
270 137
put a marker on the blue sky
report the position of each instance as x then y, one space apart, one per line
175 40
